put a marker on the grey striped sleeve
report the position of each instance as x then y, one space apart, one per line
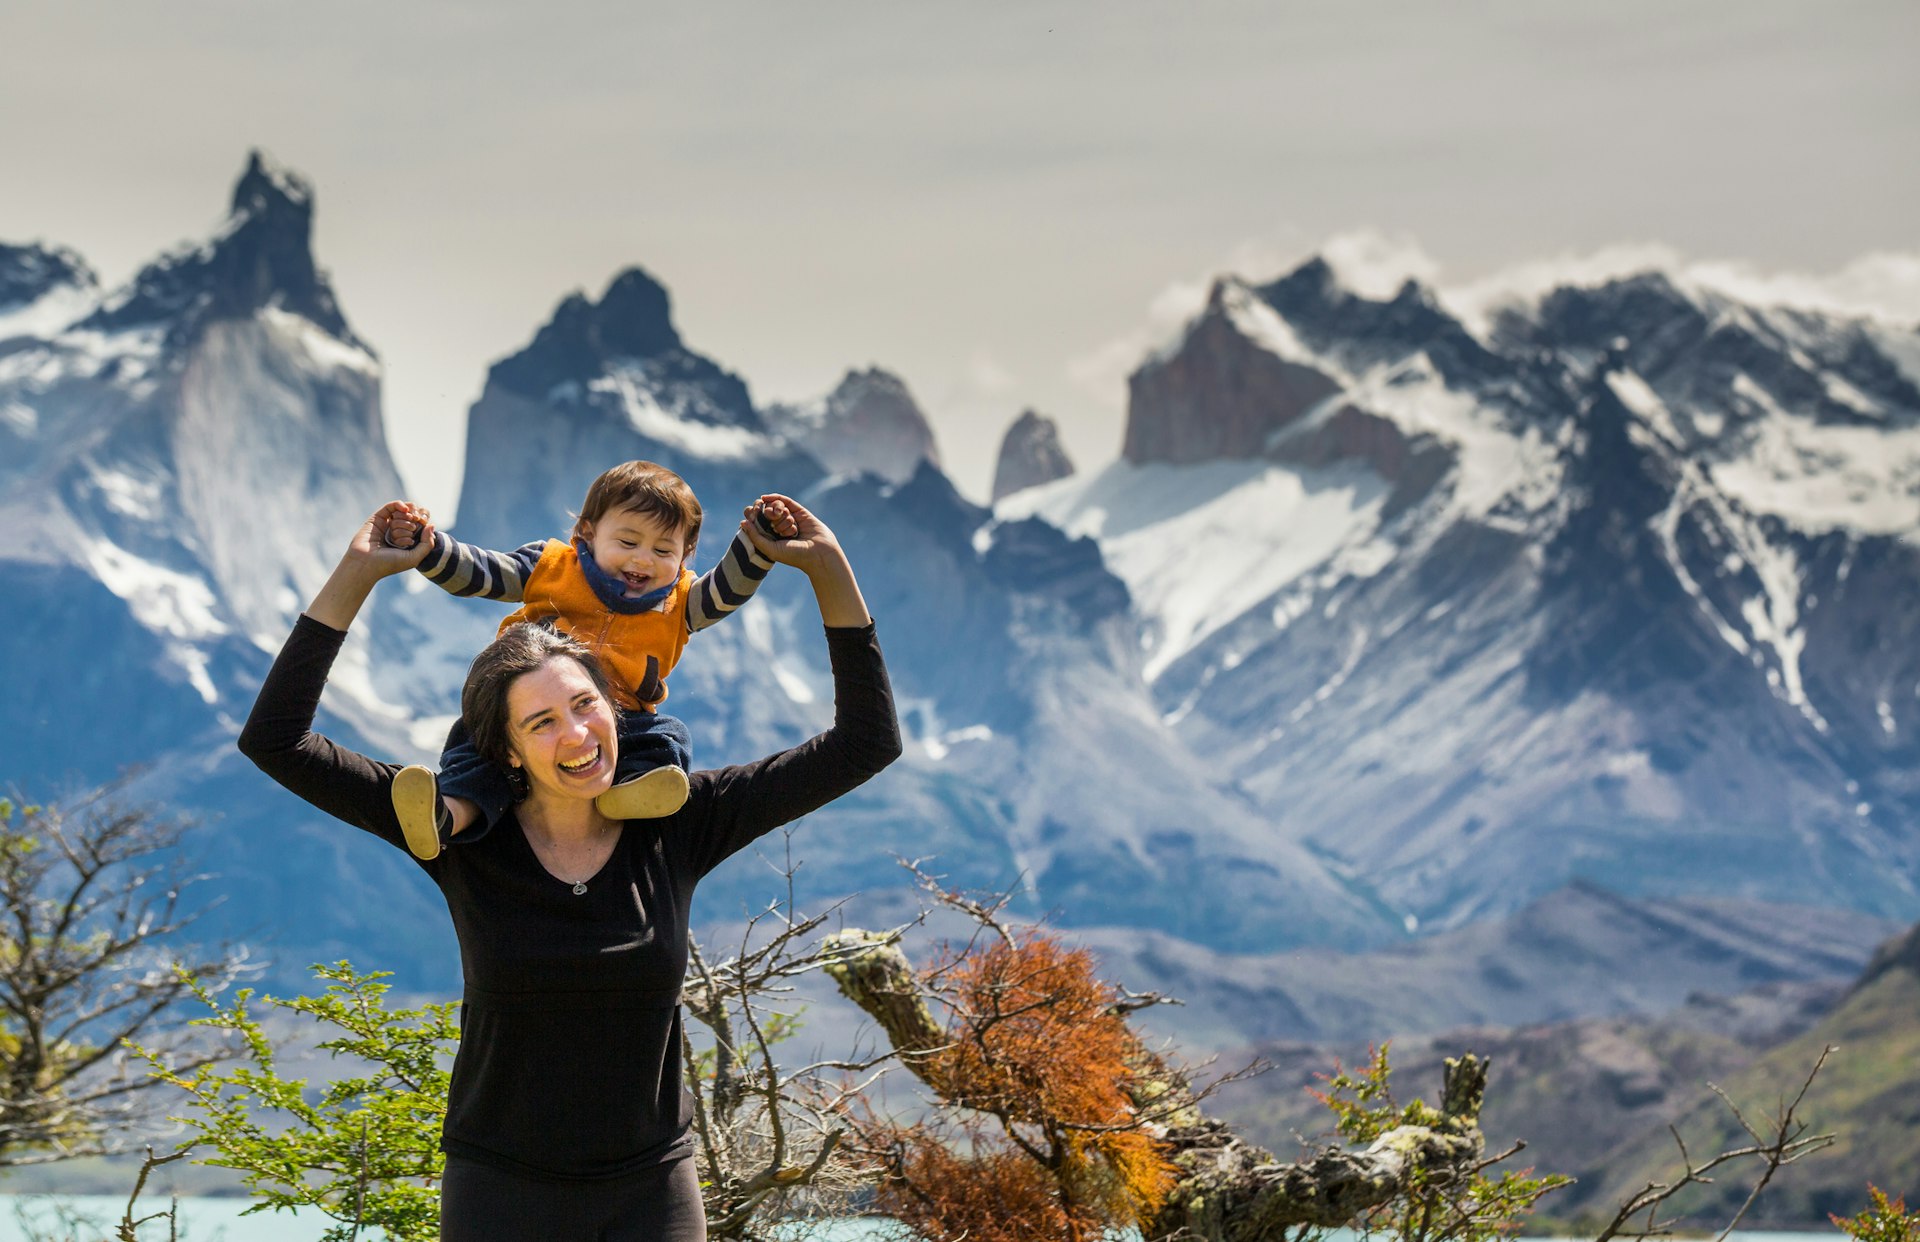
464 569
727 585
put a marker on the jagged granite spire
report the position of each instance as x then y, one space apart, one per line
261 256
1328 316
1030 455
632 321
1224 392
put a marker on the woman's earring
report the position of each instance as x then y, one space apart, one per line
517 782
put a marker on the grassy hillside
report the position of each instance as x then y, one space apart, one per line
1868 1096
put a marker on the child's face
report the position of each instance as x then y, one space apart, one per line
637 549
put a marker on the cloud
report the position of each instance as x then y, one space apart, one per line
1476 302
1883 285
1374 264
1101 372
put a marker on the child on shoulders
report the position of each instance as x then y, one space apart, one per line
622 586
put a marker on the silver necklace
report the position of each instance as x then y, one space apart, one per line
579 886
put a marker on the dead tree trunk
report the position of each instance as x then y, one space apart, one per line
1229 1190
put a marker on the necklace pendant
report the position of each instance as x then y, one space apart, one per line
579 888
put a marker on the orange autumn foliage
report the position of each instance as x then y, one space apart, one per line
1048 1144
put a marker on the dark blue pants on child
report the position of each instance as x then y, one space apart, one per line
648 740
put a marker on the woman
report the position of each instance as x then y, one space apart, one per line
566 1118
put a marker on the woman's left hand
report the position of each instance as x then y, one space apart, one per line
812 543
814 550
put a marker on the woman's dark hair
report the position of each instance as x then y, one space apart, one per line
520 649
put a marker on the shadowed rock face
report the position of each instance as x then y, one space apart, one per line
1030 455
30 272
1220 395
262 256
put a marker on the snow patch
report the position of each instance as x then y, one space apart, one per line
1901 347
22 420
429 733
48 314
1823 478
1628 763
647 416
1356 646
791 684
194 662
129 496
321 348
161 599
1199 545
1262 325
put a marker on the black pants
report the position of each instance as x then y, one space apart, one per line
480 1203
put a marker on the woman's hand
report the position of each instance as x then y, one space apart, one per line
395 539
814 550
810 542
369 558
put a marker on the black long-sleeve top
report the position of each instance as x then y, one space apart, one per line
569 1061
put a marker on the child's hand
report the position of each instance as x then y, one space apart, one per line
374 547
406 524
774 518
810 544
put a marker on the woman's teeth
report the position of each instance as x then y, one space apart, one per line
582 763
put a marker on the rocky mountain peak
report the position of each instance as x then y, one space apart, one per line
261 256
28 273
267 187
632 321
869 424
1225 391
1362 331
1030 455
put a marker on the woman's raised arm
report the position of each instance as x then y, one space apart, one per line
279 735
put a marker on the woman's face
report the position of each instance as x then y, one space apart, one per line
562 730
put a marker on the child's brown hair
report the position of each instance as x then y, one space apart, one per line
647 488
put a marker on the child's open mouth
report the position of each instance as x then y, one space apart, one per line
636 583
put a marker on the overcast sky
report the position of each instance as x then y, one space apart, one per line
1001 202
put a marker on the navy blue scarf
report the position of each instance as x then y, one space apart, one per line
613 591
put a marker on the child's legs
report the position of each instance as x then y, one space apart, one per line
649 740
464 774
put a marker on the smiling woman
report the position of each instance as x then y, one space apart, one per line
566 1118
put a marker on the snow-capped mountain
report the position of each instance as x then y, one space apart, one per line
1386 621
185 457
868 424
1621 588
189 446
1014 653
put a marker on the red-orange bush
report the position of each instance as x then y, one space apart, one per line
1043 1140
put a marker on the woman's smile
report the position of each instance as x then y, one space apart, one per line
563 730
